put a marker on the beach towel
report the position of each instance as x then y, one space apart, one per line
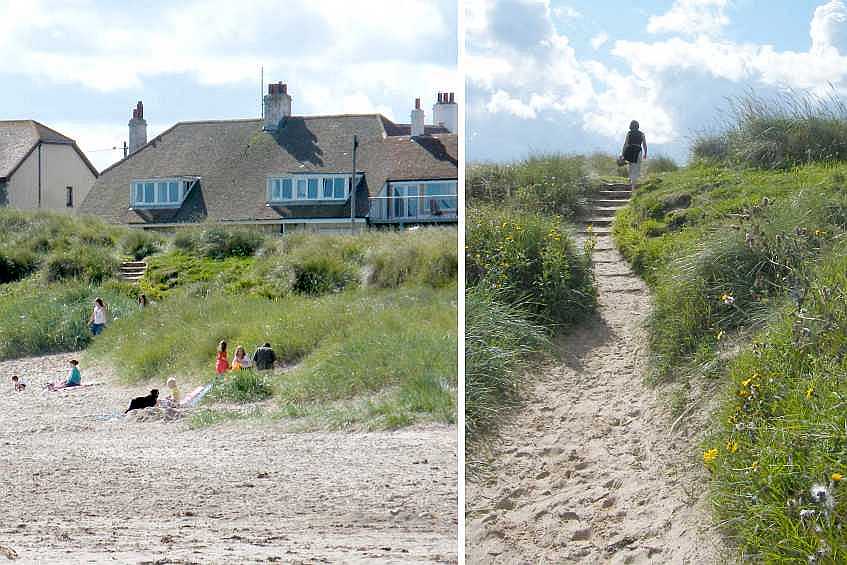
83 385
195 396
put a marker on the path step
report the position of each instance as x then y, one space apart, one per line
598 221
604 212
616 194
133 271
616 203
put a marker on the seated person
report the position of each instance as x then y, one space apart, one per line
241 360
175 398
18 383
74 377
264 358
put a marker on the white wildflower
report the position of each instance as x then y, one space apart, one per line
821 495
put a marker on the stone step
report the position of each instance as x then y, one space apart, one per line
616 194
616 186
603 212
599 221
616 203
134 264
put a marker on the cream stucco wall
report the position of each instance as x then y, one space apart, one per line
61 166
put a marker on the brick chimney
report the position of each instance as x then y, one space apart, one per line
137 128
446 112
277 105
417 119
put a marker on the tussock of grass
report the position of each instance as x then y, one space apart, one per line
778 132
499 341
243 386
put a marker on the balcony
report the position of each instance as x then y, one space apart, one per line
431 203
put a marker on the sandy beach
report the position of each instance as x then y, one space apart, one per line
76 489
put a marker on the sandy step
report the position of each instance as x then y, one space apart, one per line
616 203
616 194
598 221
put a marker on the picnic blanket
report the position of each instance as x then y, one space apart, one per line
83 385
194 397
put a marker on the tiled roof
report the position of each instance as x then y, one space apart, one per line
234 158
19 137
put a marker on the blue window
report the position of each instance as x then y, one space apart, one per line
139 192
286 189
338 184
149 196
173 191
161 192
327 193
313 189
301 189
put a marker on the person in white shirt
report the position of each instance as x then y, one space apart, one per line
98 317
241 359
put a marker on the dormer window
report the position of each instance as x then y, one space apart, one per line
160 193
309 188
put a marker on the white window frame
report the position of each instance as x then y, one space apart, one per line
275 187
183 186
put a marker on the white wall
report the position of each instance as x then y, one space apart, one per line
61 166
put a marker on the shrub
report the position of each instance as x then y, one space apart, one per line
139 244
219 242
15 266
321 274
243 386
90 264
661 164
529 258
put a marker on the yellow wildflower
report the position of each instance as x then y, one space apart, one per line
732 446
727 299
809 391
710 455
720 335
837 477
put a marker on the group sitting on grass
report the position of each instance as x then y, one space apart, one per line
263 359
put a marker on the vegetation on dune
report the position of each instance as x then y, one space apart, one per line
369 320
525 275
745 251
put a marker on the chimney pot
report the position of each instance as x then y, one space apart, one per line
284 88
277 105
417 103
452 98
137 128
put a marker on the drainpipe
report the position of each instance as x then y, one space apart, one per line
353 188
39 175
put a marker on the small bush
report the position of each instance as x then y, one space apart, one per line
89 264
140 244
243 386
661 164
318 275
219 242
15 266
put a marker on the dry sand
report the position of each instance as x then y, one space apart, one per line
589 471
77 490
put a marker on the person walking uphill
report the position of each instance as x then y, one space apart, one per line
632 146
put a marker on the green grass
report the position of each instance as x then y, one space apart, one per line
346 345
749 273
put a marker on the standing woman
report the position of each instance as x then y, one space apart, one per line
98 317
635 141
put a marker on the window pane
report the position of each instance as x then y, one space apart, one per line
399 203
327 193
339 184
161 192
173 191
148 193
139 192
412 203
313 189
301 189
286 189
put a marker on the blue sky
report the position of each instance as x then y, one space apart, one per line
79 66
568 76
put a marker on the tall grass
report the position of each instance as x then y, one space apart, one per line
500 339
400 342
780 131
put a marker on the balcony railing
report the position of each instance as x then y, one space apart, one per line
402 209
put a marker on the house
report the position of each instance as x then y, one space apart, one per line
41 169
286 172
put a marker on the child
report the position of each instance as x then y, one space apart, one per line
221 362
241 360
176 397
19 384
74 377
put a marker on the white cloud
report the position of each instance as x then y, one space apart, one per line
501 101
691 17
599 40
828 30
215 41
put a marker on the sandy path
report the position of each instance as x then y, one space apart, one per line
589 470
78 490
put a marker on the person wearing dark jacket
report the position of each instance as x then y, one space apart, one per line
264 358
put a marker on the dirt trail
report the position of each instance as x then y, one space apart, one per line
589 470
78 490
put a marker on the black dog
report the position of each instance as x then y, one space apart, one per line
141 402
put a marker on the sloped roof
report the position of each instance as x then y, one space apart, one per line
234 158
19 137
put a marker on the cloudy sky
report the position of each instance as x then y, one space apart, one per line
551 75
79 66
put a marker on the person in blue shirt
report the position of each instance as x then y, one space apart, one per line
74 377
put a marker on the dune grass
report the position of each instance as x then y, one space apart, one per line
748 268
